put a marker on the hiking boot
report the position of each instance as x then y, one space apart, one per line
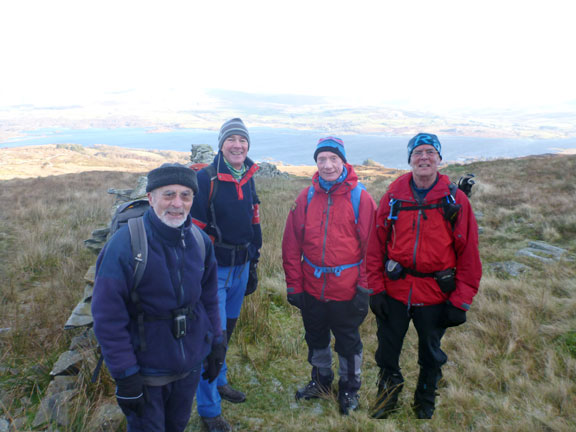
348 401
425 394
216 424
313 390
389 389
231 395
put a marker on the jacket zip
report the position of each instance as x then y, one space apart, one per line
324 245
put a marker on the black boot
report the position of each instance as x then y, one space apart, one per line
389 388
347 401
425 394
319 386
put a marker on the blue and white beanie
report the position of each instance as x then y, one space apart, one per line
234 126
421 139
331 144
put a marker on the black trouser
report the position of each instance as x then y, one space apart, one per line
343 319
391 333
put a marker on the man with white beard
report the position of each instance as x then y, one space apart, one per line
157 334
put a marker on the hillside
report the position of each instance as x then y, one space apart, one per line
58 159
512 366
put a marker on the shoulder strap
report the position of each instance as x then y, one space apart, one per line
199 240
453 189
354 198
139 243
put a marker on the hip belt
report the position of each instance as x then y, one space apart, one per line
335 270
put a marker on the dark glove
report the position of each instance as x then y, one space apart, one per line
252 278
361 299
214 361
379 305
131 394
296 300
453 316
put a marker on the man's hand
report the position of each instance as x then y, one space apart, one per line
296 300
453 316
379 305
252 278
131 394
214 361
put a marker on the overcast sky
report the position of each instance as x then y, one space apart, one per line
444 54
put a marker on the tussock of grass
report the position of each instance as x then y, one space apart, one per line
511 367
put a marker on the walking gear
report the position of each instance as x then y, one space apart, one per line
231 394
465 184
216 424
348 401
139 243
214 361
354 198
252 278
453 316
425 394
379 305
130 394
389 388
314 390
296 300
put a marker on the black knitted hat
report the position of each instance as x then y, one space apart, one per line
172 173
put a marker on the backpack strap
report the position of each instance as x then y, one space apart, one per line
355 195
139 243
213 176
200 241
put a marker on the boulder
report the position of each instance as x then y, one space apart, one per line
201 153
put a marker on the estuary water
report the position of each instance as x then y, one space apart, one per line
295 147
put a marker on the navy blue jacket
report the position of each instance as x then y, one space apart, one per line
237 220
174 278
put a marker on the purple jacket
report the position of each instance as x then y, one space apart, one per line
174 278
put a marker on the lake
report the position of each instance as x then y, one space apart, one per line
296 147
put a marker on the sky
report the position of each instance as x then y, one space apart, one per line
442 54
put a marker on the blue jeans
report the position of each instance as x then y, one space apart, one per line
231 288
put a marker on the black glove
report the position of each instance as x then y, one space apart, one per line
453 316
379 305
361 300
131 394
296 300
214 361
252 278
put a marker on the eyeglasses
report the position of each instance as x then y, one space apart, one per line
185 196
419 153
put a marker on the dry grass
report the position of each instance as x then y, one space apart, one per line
511 367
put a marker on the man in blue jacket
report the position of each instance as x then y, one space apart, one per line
156 335
227 210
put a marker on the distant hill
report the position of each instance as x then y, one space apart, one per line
56 159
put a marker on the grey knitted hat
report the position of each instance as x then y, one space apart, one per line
234 126
172 173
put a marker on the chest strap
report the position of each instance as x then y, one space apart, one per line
335 270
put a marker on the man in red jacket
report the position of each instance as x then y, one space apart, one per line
423 265
323 252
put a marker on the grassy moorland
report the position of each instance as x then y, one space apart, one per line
512 367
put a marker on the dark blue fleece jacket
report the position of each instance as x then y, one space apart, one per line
175 277
236 219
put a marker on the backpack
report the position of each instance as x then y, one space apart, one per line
354 198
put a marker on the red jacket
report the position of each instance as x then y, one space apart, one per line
425 243
324 232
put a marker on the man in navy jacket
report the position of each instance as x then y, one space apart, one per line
154 345
227 210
